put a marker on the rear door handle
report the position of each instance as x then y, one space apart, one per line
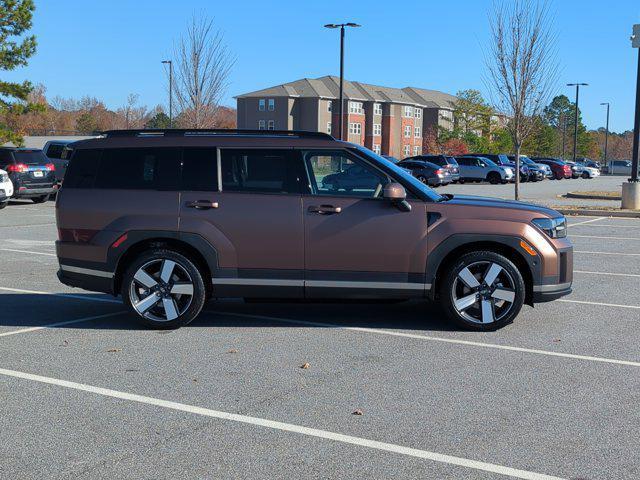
202 204
324 209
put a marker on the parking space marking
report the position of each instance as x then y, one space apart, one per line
608 273
438 339
30 225
609 253
603 238
586 221
64 295
285 427
584 302
607 225
27 251
59 324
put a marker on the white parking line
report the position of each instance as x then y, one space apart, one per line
635 307
603 238
27 251
438 339
586 221
609 253
285 427
608 273
608 225
64 295
59 324
30 225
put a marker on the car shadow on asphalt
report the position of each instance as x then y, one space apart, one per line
33 310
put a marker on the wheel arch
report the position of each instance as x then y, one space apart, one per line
436 271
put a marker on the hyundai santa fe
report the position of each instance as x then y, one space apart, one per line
171 218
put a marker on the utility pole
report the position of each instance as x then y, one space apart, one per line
631 189
341 105
170 63
575 125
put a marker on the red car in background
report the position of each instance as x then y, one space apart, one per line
559 168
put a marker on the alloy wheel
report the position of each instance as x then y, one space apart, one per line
161 290
483 292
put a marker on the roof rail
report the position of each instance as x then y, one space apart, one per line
174 132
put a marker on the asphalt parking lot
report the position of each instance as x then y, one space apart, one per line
85 393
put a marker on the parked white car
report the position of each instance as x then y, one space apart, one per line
590 172
6 189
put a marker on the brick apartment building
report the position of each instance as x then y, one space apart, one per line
389 121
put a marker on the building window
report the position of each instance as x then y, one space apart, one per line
447 115
417 132
329 128
261 104
329 106
407 150
355 128
376 149
271 125
416 150
408 111
417 112
377 109
261 125
356 107
377 129
272 104
407 131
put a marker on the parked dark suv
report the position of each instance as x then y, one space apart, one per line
32 174
169 219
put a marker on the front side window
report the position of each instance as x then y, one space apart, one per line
341 174
261 171
55 150
377 129
377 109
139 169
272 104
355 128
261 104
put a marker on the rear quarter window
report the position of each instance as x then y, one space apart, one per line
82 169
54 150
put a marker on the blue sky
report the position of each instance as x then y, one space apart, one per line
110 49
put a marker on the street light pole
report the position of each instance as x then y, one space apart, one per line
631 189
170 91
575 125
606 134
341 104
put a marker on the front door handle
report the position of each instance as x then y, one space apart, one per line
202 204
324 209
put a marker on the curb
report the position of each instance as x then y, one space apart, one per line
598 213
590 197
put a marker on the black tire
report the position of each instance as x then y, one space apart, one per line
453 287
185 267
585 175
3 204
461 181
40 199
494 178
423 179
559 176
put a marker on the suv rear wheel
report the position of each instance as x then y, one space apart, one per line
164 289
482 291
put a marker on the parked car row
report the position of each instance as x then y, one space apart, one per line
437 170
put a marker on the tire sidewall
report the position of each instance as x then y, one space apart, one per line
199 291
446 294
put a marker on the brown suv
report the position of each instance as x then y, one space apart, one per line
169 219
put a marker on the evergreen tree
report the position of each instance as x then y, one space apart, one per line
15 20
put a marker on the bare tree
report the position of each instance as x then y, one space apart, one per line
203 64
131 115
522 66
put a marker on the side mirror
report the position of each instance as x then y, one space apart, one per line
396 194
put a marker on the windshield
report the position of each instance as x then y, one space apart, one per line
400 172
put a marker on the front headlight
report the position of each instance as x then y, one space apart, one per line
553 227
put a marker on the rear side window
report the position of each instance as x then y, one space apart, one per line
199 169
82 169
139 169
261 171
54 150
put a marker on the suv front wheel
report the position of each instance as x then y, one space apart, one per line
164 289
482 291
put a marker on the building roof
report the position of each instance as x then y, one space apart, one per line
329 87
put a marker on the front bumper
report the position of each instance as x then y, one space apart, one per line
548 293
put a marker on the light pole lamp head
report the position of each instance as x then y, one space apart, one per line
166 61
577 84
635 38
350 24
605 103
331 25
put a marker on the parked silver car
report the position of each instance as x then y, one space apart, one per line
619 167
480 169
